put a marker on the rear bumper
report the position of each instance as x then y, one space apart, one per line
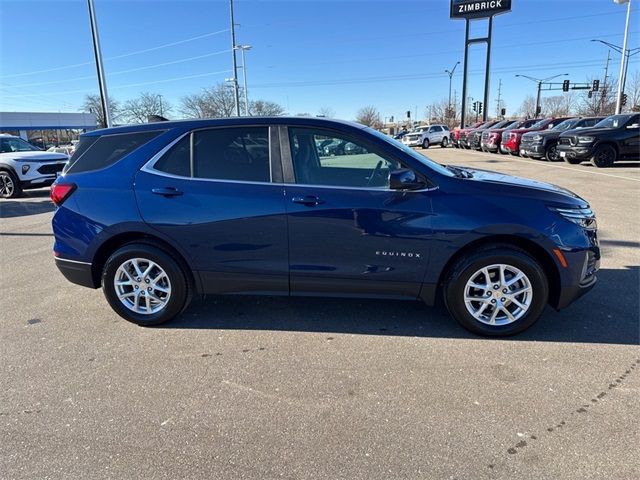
76 272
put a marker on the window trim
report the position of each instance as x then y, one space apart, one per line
290 180
274 157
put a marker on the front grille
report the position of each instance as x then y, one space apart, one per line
485 136
526 141
51 169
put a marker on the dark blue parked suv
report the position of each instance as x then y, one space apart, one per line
157 213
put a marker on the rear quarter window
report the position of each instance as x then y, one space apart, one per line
95 153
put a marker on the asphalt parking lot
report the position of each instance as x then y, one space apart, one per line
261 388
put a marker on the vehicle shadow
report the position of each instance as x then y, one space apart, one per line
22 208
608 314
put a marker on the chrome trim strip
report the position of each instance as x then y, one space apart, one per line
72 261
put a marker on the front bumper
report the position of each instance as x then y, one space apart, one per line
580 276
532 150
577 152
412 143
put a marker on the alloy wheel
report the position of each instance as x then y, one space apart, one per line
498 294
6 185
142 286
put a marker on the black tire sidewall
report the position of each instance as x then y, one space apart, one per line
177 278
444 143
460 274
425 143
595 161
548 151
17 191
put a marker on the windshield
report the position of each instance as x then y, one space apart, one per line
539 124
409 151
614 121
566 125
8 145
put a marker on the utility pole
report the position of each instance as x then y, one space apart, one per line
160 101
625 58
450 73
605 90
498 101
236 94
104 98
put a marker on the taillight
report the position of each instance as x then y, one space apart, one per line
60 192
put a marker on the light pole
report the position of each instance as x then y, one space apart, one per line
540 81
160 104
104 98
629 52
450 73
236 94
623 62
244 48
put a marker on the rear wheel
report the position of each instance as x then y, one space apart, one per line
445 142
9 186
604 156
145 285
551 154
425 143
497 291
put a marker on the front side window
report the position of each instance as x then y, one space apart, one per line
342 162
240 154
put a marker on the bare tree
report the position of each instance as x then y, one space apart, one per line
326 112
555 106
438 112
265 108
93 104
369 116
528 107
633 93
214 102
138 110
602 102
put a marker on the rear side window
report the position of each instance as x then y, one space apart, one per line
176 160
107 150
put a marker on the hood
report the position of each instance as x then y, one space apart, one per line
544 133
35 156
487 176
584 131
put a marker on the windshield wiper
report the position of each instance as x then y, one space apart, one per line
459 172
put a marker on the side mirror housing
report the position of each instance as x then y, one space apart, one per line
404 179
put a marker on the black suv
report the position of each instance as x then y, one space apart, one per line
544 144
614 138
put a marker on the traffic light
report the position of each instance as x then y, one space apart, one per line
391 119
565 86
475 106
624 99
503 112
596 85
480 108
590 94
408 113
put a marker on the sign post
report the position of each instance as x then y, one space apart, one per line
474 10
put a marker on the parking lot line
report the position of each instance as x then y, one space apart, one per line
548 164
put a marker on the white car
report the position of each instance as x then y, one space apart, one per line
428 135
23 166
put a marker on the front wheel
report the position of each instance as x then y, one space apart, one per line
9 186
604 156
497 291
551 154
145 285
445 142
425 143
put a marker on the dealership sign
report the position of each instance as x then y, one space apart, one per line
478 8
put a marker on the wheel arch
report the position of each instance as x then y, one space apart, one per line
119 240
609 143
539 253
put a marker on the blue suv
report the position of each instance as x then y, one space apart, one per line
157 213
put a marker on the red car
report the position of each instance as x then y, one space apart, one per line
511 138
462 136
455 134
492 138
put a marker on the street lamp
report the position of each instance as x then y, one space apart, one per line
450 73
623 62
244 48
540 81
629 52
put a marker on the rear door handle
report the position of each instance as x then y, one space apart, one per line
309 200
167 191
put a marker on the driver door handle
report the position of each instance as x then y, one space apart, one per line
167 191
308 200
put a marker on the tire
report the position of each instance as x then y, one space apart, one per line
573 161
551 153
9 185
468 268
604 156
175 281
445 142
425 143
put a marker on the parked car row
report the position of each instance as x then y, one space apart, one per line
602 141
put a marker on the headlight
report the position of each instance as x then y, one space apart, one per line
586 139
583 217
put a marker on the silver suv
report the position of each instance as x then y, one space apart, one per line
23 166
427 135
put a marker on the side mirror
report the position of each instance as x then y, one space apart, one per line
404 179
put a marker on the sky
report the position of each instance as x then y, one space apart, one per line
306 55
